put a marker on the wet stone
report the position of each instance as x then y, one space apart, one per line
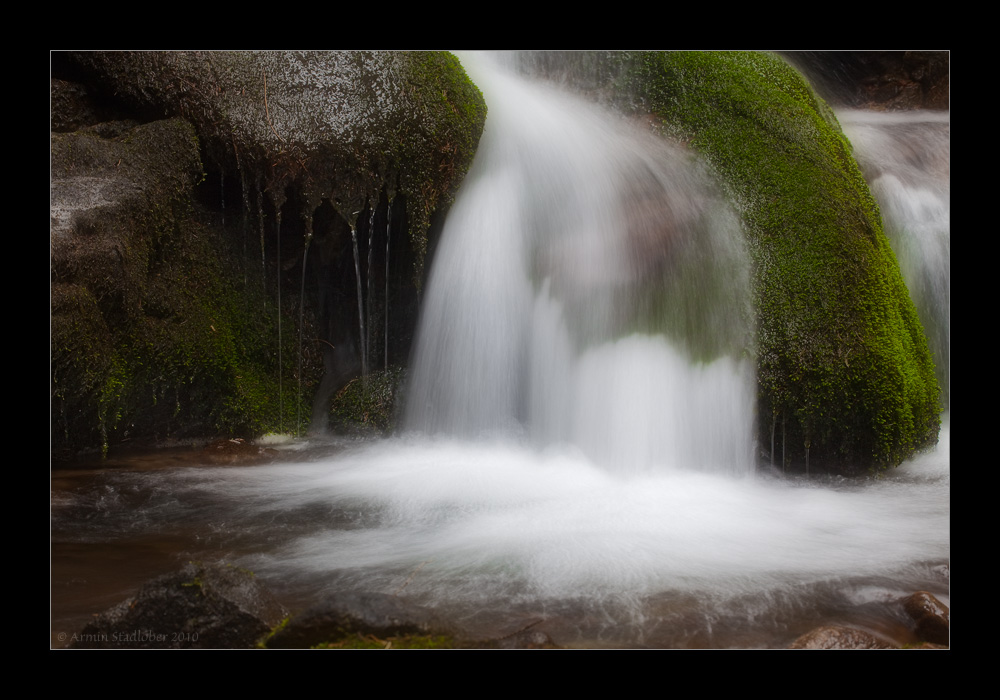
931 616
198 607
835 637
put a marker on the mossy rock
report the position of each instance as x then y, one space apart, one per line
153 334
843 364
369 403
161 323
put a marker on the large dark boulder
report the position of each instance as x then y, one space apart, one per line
199 607
185 298
343 125
155 331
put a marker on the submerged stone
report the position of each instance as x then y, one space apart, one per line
198 607
835 637
342 615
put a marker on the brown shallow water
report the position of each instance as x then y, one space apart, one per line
679 561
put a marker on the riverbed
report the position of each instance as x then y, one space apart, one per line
496 536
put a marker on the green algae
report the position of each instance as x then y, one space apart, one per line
410 641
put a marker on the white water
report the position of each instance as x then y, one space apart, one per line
573 228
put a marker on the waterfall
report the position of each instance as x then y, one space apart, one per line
584 331
906 158
589 289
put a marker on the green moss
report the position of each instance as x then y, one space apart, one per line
842 358
357 641
437 158
369 402
262 642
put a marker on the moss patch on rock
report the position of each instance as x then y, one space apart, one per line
843 363
370 402
370 641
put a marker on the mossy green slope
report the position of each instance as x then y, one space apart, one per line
844 369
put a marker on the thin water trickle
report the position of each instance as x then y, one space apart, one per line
388 240
302 319
361 305
277 267
368 297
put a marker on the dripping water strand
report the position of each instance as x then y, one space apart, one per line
368 298
361 311
246 226
281 403
388 224
302 308
263 256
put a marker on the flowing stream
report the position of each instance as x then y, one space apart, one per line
579 449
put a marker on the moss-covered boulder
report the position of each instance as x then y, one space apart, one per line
200 606
846 378
369 404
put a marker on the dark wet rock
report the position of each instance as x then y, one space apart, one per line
119 223
834 637
71 106
158 278
198 607
340 615
340 124
879 80
931 616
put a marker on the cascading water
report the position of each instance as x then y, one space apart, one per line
590 288
906 157
580 417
